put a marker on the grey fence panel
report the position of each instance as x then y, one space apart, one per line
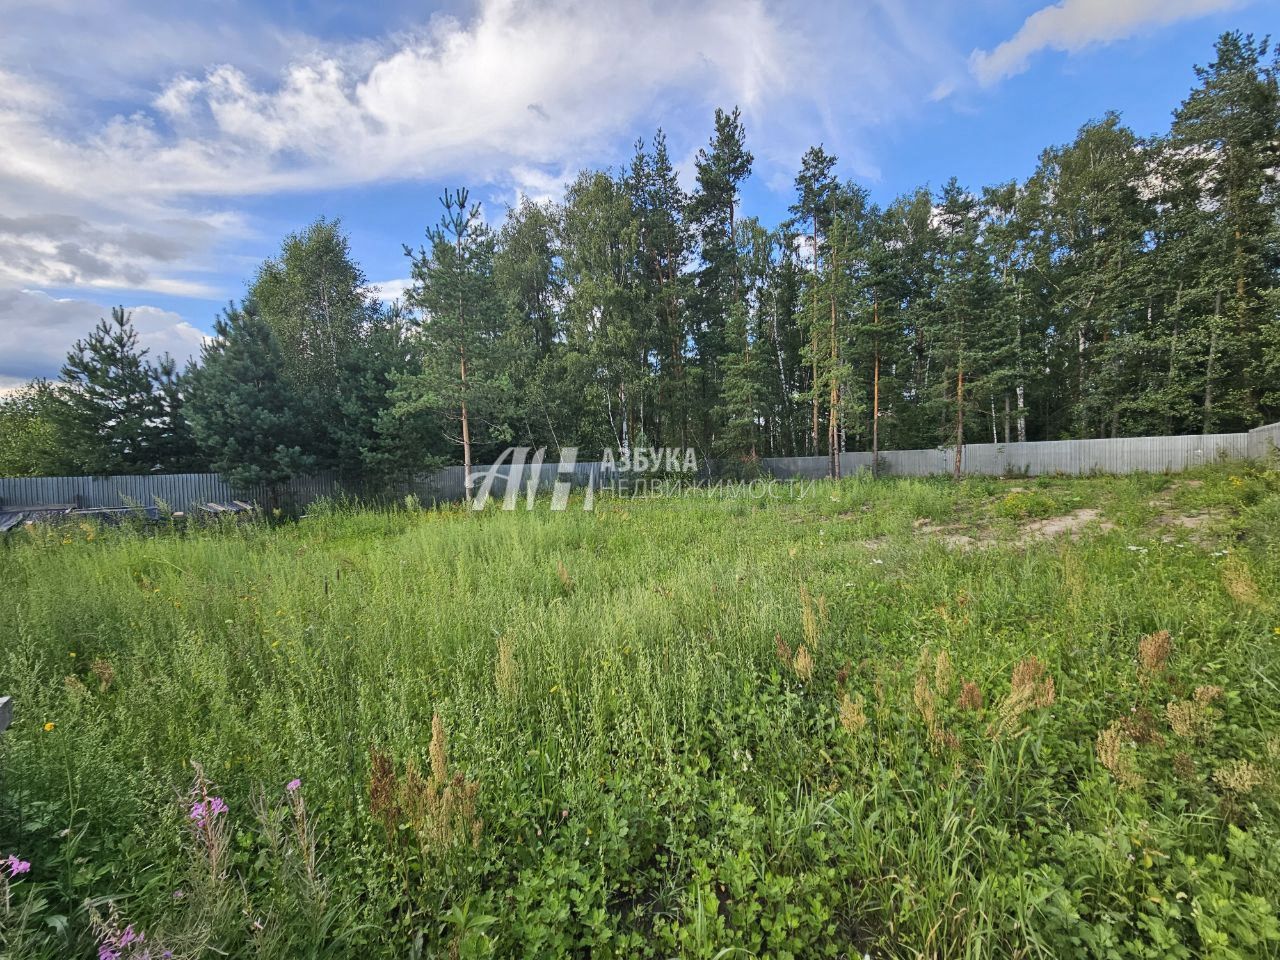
179 490
913 463
1124 455
1264 441
801 467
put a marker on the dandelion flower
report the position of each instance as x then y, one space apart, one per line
48 727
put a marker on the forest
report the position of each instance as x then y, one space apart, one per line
1130 285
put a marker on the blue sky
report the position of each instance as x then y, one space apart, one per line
153 153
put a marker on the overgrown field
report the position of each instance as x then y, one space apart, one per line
900 718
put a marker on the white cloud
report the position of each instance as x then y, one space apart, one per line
514 96
37 330
1072 25
388 290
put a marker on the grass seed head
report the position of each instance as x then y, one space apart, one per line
504 668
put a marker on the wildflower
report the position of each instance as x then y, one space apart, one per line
71 654
207 809
48 727
17 866
293 785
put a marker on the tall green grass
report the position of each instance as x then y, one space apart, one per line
654 778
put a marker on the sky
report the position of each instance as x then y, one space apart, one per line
153 154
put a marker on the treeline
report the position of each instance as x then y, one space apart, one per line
1129 286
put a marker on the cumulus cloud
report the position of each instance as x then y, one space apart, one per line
1072 25
36 330
513 96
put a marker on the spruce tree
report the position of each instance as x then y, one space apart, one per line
243 408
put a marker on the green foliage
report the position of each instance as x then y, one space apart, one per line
115 412
245 414
31 444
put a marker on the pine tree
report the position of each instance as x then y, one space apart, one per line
1225 153
664 246
816 190
721 167
109 405
461 376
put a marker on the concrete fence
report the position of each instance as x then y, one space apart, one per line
1125 455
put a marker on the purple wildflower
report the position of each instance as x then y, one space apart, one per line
202 809
17 866
108 952
128 936
293 785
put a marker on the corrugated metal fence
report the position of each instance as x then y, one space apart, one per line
182 491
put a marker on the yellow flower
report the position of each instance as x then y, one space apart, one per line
71 653
48 727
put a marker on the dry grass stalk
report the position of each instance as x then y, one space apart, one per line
105 673
853 715
1140 727
1153 655
782 650
813 613
932 683
1184 767
804 664
1239 582
562 572
1208 694
1118 756
1189 719
842 675
1238 777
1031 687
970 696
943 673
440 809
